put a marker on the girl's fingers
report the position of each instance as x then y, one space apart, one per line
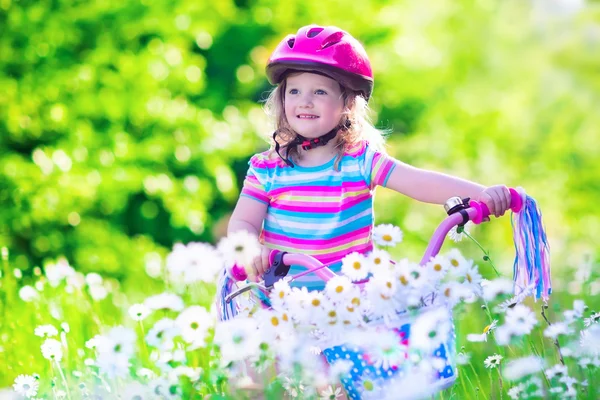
497 203
265 258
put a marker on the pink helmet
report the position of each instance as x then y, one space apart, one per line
328 50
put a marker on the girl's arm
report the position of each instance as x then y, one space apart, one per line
249 215
435 187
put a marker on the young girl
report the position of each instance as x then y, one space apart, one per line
312 192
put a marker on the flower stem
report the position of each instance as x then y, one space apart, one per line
556 343
64 379
486 254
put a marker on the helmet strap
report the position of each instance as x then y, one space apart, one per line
308 144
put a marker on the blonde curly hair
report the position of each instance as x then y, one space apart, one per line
355 110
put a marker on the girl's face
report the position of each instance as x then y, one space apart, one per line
313 104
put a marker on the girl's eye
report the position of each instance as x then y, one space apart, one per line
319 91
293 91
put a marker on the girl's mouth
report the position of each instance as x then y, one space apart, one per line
307 116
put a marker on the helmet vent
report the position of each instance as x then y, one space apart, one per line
291 43
314 32
332 39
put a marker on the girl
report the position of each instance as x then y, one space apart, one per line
312 192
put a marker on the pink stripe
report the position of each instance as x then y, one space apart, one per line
319 243
319 189
297 206
255 193
337 256
383 173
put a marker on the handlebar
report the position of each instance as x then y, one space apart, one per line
476 212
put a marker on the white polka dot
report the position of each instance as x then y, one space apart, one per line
344 348
390 373
359 356
364 364
378 372
347 355
355 370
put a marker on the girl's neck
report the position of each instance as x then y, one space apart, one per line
319 155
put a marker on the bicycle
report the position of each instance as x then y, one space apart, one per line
531 265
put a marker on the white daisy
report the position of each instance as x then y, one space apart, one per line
164 301
118 341
162 333
438 267
386 351
493 361
356 266
194 262
238 339
93 279
298 304
457 262
590 340
98 292
337 288
431 329
239 248
556 371
381 296
520 319
387 235
26 385
472 337
516 392
139 312
457 233
557 328
279 294
497 287
56 272
379 260
28 294
52 350
331 393
522 367
45 331
194 323
594 318
472 278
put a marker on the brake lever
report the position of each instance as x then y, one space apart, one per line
244 289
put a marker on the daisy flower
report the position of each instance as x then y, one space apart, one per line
577 311
437 267
238 339
93 279
387 235
386 351
330 393
162 333
592 319
58 271
520 319
52 350
493 361
456 261
379 259
431 329
28 294
557 370
279 294
497 287
474 337
381 296
457 233
139 312
516 392
472 278
557 328
522 367
26 385
337 288
273 324
194 262
239 247
45 331
194 323
164 301
98 292
454 292
355 266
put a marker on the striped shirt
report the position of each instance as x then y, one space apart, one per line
317 210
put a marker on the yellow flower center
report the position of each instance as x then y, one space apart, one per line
356 301
387 237
356 265
316 302
403 280
339 289
281 294
468 276
388 284
437 267
332 314
274 321
377 261
454 262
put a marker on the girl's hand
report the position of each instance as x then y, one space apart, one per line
496 198
261 263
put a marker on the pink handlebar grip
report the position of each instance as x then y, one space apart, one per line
238 273
516 203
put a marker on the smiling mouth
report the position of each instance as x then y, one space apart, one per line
307 116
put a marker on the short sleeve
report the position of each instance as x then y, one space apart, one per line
378 167
257 178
